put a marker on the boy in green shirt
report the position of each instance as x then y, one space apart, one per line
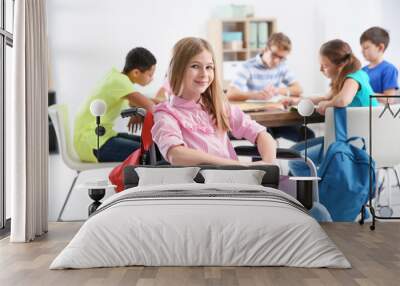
115 89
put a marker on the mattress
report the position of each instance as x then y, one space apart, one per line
201 225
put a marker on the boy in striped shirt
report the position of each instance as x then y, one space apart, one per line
266 76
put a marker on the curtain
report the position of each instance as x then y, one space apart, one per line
28 123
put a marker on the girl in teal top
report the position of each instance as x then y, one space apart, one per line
349 87
349 84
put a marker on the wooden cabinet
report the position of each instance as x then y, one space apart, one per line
236 40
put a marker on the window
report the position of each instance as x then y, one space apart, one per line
6 44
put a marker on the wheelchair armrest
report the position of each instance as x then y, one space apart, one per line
133 111
281 153
285 153
250 151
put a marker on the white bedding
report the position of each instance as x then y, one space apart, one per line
183 231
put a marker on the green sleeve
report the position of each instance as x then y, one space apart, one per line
121 86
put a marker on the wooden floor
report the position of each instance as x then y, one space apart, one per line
375 257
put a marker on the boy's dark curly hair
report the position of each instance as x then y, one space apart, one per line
139 58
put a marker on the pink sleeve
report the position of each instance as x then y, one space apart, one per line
243 126
166 132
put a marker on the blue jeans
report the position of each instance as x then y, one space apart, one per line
299 168
118 148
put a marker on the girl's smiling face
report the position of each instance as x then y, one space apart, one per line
199 74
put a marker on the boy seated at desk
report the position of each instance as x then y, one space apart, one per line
266 76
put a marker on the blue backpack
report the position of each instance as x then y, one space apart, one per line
344 173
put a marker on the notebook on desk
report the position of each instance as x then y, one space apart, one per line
275 99
253 107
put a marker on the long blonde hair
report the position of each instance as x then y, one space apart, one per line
213 98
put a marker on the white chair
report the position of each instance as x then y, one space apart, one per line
385 132
59 116
385 137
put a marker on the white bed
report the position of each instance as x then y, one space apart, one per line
223 225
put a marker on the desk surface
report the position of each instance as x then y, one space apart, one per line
276 118
273 115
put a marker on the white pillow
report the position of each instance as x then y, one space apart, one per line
249 177
166 176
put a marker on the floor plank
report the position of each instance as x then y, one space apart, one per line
374 255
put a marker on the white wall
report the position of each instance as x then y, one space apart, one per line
88 37
391 21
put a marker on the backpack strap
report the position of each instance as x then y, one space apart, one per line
354 138
340 117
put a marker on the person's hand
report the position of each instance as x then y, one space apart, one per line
274 162
256 163
261 95
270 90
261 162
266 93
135 123
290 101
322 106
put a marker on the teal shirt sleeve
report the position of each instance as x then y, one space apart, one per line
364 90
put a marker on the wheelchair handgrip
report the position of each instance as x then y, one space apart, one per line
133 111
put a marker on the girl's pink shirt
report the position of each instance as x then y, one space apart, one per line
184 122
